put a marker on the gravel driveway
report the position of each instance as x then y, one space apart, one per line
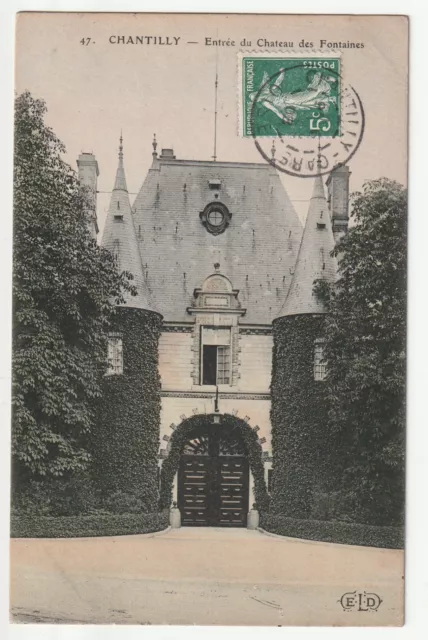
201 576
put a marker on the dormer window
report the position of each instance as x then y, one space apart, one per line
214 185
216 309
118 217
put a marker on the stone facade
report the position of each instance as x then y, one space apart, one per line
216 249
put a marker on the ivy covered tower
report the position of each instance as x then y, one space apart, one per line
126 451
299 409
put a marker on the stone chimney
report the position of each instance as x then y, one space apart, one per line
338 200
88 173
167 154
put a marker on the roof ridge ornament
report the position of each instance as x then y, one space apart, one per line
319 155
154 145
120 181
121 146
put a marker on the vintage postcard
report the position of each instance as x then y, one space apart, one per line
209 321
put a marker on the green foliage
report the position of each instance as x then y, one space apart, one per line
123 502
75 496
365 349
64 289
298 417
88 526
125 441
334 531
182 434
56 496
344 437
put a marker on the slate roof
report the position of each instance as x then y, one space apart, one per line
314 260
257 252
120 238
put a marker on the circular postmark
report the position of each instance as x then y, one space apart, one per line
307 131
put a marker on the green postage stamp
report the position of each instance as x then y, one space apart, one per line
290 96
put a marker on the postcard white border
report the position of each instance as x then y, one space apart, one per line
417 459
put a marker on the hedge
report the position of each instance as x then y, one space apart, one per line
87 525
334 531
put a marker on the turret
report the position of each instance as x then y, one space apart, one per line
121 239
298 411
314 260
126 455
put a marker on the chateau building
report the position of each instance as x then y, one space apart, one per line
221 265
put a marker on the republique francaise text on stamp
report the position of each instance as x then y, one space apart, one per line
302 117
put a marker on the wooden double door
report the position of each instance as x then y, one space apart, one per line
213 480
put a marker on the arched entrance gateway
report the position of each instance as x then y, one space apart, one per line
213 478
213 455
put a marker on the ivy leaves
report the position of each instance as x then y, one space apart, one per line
125 440
298 417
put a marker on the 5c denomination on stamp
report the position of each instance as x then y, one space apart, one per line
291 96
303 119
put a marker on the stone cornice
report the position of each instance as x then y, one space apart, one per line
225 311
255 331
211 394
178 328
245 330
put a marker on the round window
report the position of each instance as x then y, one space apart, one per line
216 217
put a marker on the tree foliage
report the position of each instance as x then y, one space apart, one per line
365 351
64 291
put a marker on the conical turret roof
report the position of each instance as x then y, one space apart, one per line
120 182
120 238
314 260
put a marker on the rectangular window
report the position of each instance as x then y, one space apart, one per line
209 364
114 355
215 361
223 365
320 365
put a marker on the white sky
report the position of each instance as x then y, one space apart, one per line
94 91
